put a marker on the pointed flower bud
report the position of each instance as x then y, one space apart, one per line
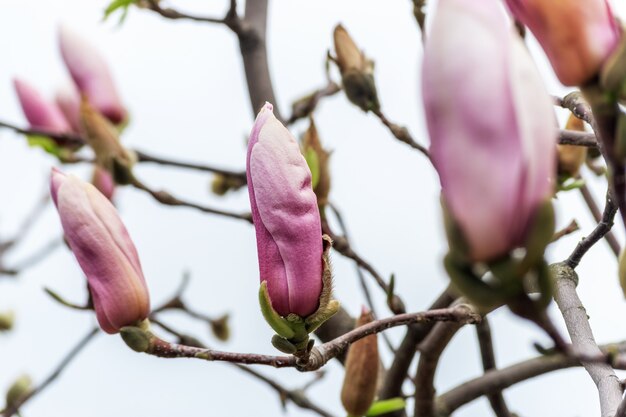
91 75
286 217
571 157
491 125
578 36
318 160
103 250
357 71
68 100
40 113
361 377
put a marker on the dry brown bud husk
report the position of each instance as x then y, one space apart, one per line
103 138
360 381
312 141
571 157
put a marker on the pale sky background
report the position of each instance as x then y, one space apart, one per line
184 85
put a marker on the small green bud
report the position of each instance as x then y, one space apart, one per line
138 338
18 390
7 320
220 328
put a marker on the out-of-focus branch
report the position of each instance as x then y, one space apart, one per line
569 229
399 369
13 408
167 199
252 44
485 342
578 327
499 379
577 138
604 227
597 215
63 139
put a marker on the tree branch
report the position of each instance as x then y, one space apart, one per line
499 379
321 354
485 342
578 327
604 227
597 215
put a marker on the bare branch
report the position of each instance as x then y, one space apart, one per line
144 157
597 215
499 379
485 341
578 327
604 227
401 133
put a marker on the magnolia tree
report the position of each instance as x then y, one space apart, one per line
499 154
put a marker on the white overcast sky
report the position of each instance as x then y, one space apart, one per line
184 86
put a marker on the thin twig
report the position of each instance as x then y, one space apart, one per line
401 133
167 199
63 139
319 355
597 215
145 157
577 138
567 230
610 209
305 106
485 342
13 408
577 323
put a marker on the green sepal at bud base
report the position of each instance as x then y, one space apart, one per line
613 73
386 406
467 283
314 165
21 387
360 89
138 338
620 137
7 321
539 236
293 331
622 271
456 241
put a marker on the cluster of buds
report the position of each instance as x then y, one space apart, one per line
295 294
104 251
357 71
493 133
94 110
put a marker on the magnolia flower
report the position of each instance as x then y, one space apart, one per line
491 125
578 36
286 217
103 250
91 75
40 113
68 100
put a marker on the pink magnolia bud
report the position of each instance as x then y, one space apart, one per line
491 125
578 36
286 217
68 100
91 75
103 250
103 181
40 113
